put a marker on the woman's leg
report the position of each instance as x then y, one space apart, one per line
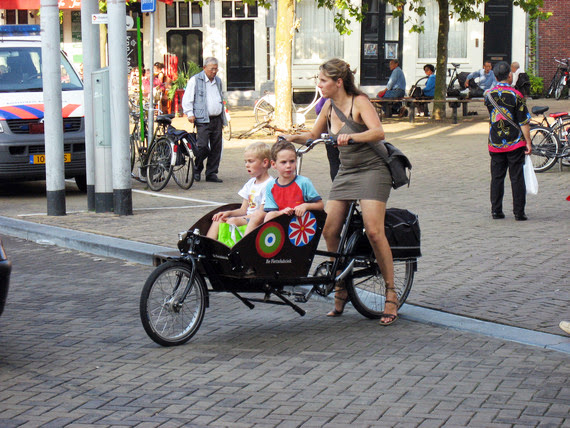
373 213
336 214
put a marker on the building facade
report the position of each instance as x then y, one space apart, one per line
242 37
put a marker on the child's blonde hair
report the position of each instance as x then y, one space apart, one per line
260 150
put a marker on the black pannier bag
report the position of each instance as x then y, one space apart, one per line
402 229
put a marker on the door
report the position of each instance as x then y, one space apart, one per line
186 45
240 55
382 35
499 31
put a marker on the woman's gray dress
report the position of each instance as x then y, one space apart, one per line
363 174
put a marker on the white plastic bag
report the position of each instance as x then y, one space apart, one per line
530 180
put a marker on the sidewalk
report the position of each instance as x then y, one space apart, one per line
507 272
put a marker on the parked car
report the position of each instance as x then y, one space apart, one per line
5 269
22 148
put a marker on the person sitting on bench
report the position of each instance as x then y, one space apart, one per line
487 81
396 88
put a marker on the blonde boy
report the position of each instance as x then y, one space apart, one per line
257 161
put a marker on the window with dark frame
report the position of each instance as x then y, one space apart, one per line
252 10
196 14
171 15
11 17
183 15
239 9
227 9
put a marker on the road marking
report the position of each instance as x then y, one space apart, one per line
182 198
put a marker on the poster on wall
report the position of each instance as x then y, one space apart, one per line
371 50
391 50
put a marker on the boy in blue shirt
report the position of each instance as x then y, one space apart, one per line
289 193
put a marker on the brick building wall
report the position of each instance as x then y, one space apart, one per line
553 37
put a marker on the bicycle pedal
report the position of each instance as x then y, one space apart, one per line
300 298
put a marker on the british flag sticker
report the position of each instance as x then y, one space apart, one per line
302 229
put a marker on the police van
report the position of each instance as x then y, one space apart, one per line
22 149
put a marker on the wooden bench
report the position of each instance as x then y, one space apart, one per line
453 103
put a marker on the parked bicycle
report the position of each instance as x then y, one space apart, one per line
560 80
264 110
550 140
170 153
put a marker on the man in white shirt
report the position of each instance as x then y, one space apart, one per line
516 70
203 104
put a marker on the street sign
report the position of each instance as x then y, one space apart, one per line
102 18
148 5
99 18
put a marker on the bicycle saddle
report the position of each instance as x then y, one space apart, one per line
164 119
455 65
539 109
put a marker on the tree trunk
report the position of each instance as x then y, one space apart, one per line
440 77
283 61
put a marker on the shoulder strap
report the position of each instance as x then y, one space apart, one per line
508 119
339 113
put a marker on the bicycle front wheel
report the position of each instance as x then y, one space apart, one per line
173 303
545 146
159 168
560 88
227 132
183 169
366 287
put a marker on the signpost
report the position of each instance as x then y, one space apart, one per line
148 6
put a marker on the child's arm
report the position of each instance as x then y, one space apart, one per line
300 210
224 215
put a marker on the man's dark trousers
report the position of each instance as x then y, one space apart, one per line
500 162
209 142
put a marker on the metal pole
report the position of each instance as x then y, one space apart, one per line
53 119
91 62
122 194
151 77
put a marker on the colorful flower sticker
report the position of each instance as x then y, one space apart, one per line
270 239
302 229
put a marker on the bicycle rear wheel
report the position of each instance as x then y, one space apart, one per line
264 112
166 319
545 146
159 168
183 169
366 288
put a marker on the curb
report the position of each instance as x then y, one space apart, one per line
107 246
142 253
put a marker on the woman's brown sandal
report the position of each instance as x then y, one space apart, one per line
391 317
335 312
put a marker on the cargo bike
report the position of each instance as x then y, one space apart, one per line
272 265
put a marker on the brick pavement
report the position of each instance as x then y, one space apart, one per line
73 353
504 271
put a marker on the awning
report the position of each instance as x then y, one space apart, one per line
35 4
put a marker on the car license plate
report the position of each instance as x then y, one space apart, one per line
41 159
